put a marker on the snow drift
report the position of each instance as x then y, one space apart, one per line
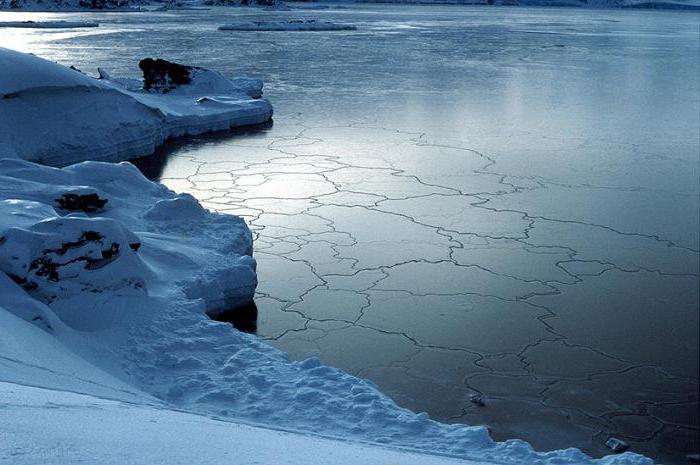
112 119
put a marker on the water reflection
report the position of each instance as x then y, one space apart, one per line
153 166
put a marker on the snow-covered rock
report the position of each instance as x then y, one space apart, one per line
290 25
79 303
67 233
111 119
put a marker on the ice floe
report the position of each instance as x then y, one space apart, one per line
49 24
290 25
113 119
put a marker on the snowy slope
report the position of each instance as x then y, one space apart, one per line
54 427
111 120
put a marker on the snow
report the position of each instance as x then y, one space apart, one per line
119 291
99 428
111 119
291 25
49 24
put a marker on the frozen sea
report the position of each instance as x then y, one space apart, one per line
460 200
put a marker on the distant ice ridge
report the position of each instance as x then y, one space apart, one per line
290 25
106 280
48 24
112 119
126 5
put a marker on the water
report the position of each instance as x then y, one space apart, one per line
460 200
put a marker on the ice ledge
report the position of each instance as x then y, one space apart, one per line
112 119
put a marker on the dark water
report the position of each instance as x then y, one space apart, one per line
456 201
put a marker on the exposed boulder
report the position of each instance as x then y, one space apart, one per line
63 256
163 76
86 203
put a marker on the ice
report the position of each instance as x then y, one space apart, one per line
58 253
112 120
465 101
126 283
616 445
290 25
99 428
49 24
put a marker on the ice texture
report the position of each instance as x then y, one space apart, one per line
124 274
112 120
290 25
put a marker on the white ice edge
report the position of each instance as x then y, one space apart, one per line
48 24
106 120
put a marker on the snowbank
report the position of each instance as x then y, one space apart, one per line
112 119
121 271
291 25
48 24
104 229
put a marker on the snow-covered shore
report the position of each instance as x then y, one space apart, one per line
156 434
48 24
111 119
114 276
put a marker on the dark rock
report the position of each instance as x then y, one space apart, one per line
88 203
103 4
46 266
164 76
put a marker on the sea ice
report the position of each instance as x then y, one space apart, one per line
291 25
49 24
112 119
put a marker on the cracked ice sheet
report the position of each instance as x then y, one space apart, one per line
351 234
467 94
